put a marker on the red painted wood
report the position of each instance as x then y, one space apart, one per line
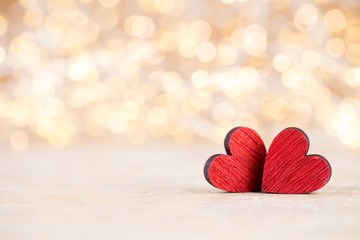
241 170
289 170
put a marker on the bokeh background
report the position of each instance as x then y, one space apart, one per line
74 70
110 108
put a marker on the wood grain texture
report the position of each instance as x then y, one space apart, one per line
241 170
289 170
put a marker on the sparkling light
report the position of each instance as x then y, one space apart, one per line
149 69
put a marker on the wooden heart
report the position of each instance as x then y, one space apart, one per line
241 170
287 167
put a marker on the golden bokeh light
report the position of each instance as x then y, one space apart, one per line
142 27
200 79
33 17
149 69
187 47
254 38
226 54
335 47
201 30
129 110
160 6
77 71
334 20
352 77
206 51
168 41
281 62
306 17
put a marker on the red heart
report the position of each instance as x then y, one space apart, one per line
241 170
287 167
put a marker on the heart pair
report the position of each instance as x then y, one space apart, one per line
286 168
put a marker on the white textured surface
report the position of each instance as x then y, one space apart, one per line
157 191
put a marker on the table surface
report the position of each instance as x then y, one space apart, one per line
112 190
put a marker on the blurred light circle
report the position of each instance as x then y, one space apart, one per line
143 27
129 110
206 51
352 77
281 62
77 71
226 54
187 47
334 20
306 17
201 30
200 79
335 47
255 39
